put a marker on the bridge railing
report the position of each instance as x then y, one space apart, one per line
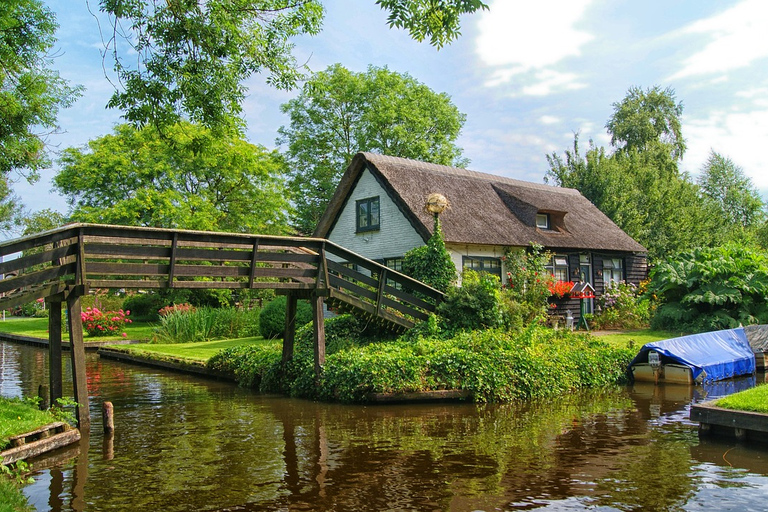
99 256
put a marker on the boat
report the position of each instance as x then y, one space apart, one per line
695 359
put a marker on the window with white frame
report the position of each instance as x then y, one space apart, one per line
613 270
558 267
542 221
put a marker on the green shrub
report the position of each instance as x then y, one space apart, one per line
103 301
431 264
144 306
711 289
524 298
621 307
186 326
272 320
476 304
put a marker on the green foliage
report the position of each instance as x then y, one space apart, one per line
738 201
144 306
205 324
621 306
493 365
438 21
11 497
524 297
272 318
31 92
710 289
188 178
476 304
339 113
42 220
431 264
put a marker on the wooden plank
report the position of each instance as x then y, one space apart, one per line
348 273
380 291
35 448
712 415
141 269
254 260
77 352
227 285
37 278
318 331
31 294
341 284
289 335
18 245
404 308
172 263
38 259
55 378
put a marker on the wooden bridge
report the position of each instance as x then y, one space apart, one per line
64 264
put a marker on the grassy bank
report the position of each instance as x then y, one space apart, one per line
38 328
752 400
198 351
634 339
492 365
17 417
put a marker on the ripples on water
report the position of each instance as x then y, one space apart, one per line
183 443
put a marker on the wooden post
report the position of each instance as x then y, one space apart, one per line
54 351
77 349
318 327
42 392
108 417
290 327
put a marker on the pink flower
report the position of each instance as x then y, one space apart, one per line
125 335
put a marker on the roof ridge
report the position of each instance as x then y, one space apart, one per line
467 173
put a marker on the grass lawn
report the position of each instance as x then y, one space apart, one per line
17 417
754 400
199 351
38 328
635 339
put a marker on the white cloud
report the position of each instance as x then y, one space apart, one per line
737 40
546 119
737 135
531 34
549 81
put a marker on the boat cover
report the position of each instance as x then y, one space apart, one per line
711 356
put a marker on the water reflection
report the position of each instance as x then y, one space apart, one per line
183 443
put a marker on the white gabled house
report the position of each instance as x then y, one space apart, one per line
378 212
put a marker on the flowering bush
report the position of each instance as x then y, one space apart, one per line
176 308
524 296
621 307
560 289
104 323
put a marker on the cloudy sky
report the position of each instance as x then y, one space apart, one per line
528 75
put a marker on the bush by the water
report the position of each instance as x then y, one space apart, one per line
493 365
272 320
203 324
711 289
144 306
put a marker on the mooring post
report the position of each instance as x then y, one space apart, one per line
318 328
290 327
54 351
77 349
108 417
42 393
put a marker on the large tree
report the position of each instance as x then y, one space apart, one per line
639 185
731 191
31 94
187 179
339 113
189 59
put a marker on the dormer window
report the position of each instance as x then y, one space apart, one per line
543 221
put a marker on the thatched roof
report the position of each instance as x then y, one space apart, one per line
484 209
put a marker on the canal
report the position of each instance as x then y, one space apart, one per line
184 443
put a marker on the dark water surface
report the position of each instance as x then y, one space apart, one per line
184 443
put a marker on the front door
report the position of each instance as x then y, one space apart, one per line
585 275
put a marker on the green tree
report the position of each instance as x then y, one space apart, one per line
190 59
431 263
41 220
639 185
339 113
31 94
738 201
188 179
644 118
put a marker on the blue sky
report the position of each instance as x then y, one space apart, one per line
527 75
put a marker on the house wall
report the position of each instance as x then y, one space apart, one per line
396 235
458 251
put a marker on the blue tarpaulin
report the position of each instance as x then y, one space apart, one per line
711 356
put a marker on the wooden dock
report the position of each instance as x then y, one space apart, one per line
741 425
45 439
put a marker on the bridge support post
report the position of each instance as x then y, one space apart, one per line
77 349
290 327
318 329
54 351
